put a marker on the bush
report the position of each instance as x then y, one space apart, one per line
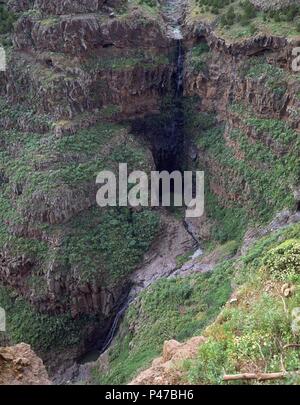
176 308
6 20
150 3
283 262
229 17
249 10
42 331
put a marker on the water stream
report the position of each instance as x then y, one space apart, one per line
105 343
172 11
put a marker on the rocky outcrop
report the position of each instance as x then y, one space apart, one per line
86 33
225 81
81 62
161 260
19 365
165 370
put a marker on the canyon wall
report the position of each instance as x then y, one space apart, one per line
244 115
241 115
78 73
71 78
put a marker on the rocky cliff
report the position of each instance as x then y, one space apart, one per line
242 117
20 366
91 84
75 70
243 94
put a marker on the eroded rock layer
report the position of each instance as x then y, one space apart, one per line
78 72
75 70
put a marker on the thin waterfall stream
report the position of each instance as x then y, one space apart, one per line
172 11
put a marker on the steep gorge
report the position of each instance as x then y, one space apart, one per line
82 78
85 74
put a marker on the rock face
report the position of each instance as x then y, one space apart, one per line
273 4
77 69
165 370
81 62
248 88
19 365
160 261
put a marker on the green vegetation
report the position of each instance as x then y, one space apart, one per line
102 247
280 131
251 181
97 242
150 3
275 78
110 111
42 331
283 262
248 336
139 59
247 12
214 6
239 18
94 243
199 55
70 161
19 246
170 309
18 112
7 19
252 335
257 181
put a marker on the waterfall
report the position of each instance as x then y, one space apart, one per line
114 327
173 11
168 150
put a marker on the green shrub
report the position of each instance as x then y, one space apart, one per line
7 19
283 262
176 308
211 363
42 331
150 3
249 335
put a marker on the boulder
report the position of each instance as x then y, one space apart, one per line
19 365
